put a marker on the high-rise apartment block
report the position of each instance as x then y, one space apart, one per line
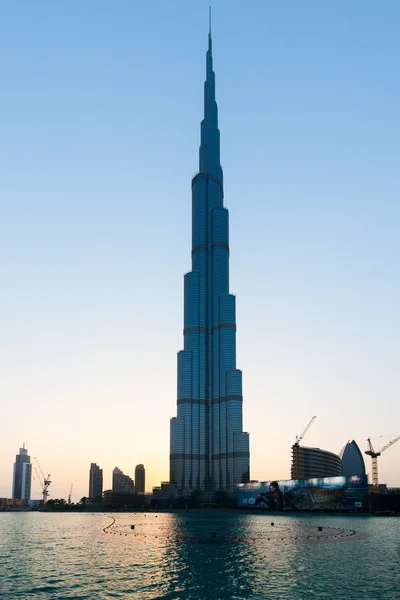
122 482
22 477
95 482
140 479
208 449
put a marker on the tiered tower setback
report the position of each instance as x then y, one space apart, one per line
208 449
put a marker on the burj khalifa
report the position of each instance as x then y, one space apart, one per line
209 452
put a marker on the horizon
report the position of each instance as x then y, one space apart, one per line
101 120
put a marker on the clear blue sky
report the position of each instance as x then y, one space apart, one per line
100 109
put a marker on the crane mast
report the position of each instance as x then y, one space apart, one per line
296 448
374 460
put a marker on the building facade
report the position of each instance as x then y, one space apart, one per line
140 479
22 476
208 449
352 460
95 482
317 493
122 482
308 463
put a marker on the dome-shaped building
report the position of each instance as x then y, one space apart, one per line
352 460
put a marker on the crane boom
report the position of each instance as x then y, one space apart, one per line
371 450
40 468
298 439
44 482
38 476
396 439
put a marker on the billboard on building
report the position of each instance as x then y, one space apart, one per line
322 493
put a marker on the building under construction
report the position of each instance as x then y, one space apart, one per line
308 463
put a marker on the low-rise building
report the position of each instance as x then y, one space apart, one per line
10 503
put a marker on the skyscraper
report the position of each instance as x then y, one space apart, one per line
120 481
140 477
22 478
208 449
95 482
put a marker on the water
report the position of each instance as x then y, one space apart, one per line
198 556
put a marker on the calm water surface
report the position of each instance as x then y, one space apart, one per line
198 556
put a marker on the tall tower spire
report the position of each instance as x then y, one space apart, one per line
209 451
210 146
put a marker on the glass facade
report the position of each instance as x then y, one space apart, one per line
22 476
208 449
352 460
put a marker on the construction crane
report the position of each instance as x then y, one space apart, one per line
44 481
296 449
374 460
70 493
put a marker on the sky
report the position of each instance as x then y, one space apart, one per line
99 116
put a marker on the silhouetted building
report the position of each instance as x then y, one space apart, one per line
140 479
208 449
165 490
314 462
382 488
352 460
22 477
125 499
122 482
95 482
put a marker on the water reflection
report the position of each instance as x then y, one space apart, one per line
198 565
196 556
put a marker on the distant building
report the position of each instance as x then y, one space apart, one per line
352 460
125 499
95 482
122 482
140 476
308 463
382 488
10 503
164 491
22 478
